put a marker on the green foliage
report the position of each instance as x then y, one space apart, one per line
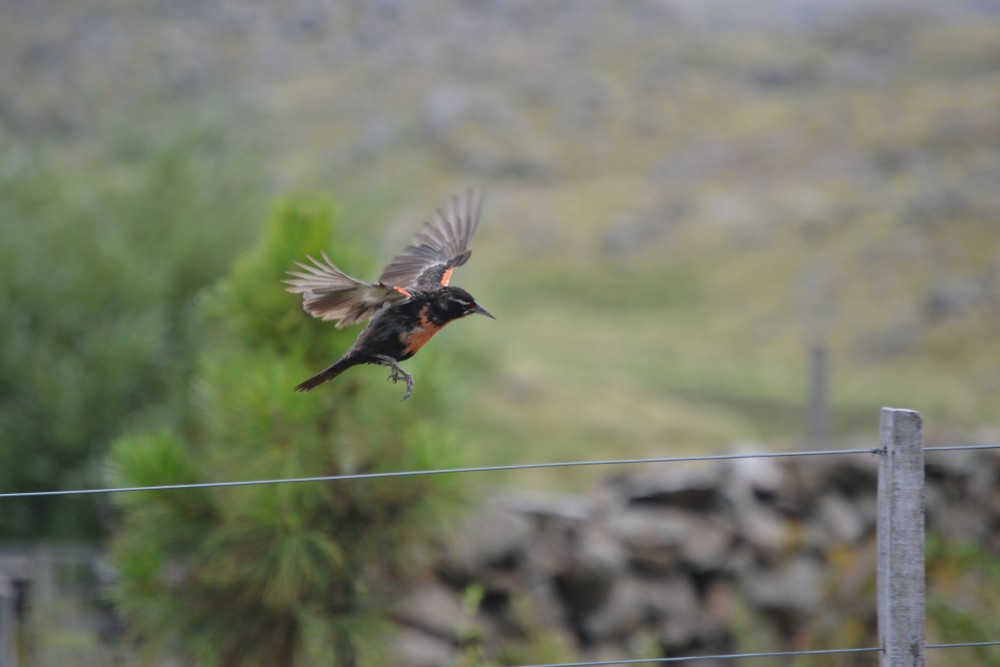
963 594
278 574
101 258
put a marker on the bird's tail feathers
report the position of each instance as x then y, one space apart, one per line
327 374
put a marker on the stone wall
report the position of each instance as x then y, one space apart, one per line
680 559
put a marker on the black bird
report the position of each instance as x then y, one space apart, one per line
410 302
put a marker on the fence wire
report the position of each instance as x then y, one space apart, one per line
692 658
496 468
952 448
738 656
441 471
964 645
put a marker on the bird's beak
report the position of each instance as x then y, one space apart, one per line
482 311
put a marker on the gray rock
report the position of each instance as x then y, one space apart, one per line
672 604
492 540
763 529
436 609
794 587
854 475
620 616
663 538
412 648
654 537
839 519
590 567
753 479
695 488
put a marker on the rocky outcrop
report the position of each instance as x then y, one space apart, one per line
679 559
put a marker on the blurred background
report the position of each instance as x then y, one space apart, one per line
708 225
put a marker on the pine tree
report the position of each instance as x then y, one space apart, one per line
283 574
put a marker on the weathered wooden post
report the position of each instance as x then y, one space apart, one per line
901 569
8 619
818 399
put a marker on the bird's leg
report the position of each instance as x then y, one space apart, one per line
397 373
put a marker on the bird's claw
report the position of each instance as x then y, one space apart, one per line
409 385
398 374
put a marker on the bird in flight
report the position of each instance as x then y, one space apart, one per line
411 301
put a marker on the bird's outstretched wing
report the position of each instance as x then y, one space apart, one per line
439 248
330 294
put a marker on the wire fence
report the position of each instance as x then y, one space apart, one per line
891 438
440 471
875 451
724 656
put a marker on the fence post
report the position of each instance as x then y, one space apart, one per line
819 408
901 571
8 621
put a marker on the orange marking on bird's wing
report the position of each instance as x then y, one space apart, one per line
447 277
420 335
401 290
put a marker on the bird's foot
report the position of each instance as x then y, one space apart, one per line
397 373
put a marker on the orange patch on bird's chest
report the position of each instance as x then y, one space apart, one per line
423 332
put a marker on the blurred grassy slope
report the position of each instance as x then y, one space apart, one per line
677 203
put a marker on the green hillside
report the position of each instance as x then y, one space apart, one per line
678 204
